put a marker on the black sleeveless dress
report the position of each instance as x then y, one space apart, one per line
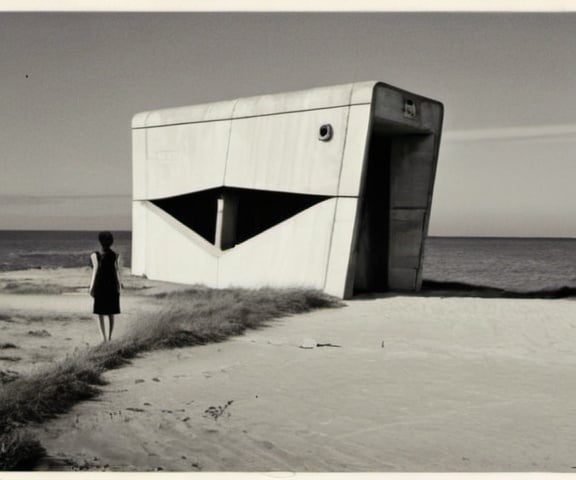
106 287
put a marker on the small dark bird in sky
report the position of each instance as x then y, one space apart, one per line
26 76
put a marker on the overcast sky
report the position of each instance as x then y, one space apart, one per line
72 81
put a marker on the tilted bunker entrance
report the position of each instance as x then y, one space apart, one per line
396 193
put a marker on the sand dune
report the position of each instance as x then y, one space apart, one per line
403 384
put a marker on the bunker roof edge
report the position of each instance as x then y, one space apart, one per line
308 99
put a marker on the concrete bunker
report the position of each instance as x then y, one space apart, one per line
327 188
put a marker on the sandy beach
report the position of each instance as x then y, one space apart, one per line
47 313
388 384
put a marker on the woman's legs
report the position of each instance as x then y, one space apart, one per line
110 326
102 326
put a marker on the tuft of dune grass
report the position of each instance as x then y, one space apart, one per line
51 317
7 376
190 317
19 451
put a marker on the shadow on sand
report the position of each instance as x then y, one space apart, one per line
432 288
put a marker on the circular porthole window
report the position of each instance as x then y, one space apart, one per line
325 132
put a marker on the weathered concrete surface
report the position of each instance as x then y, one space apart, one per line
414 384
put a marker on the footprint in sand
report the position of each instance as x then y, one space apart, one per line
10 359
216 412
39 333
266 444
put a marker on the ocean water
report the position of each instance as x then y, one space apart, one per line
22 249
518 264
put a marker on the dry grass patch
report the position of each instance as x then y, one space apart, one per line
19 451
27 288
51 317
7 376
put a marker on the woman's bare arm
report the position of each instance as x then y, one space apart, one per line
94 260
119 271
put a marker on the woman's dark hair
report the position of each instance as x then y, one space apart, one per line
106 240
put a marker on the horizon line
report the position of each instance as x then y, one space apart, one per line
486 237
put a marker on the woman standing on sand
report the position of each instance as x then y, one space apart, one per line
105 284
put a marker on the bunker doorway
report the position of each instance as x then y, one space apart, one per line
394 209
